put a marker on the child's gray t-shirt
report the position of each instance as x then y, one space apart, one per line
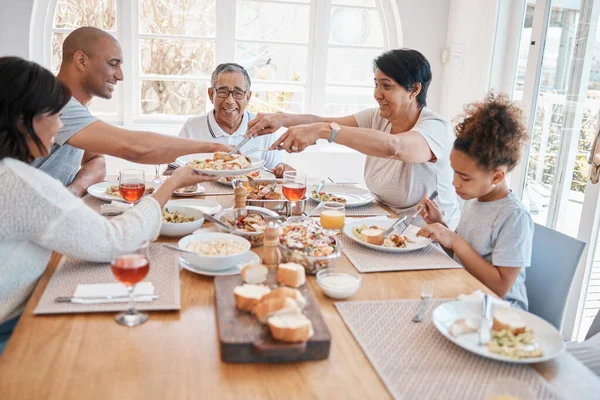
500 231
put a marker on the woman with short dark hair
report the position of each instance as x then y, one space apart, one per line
39 215
408 145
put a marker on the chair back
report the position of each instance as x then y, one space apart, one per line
554 259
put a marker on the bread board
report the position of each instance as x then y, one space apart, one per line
243 339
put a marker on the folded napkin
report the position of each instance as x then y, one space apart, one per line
478 296
142 291
115 207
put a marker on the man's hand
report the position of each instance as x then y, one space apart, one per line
222 147
280 169
439 233
264 124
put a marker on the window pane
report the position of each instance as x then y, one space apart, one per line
271 101
524 52
364 3
273 61
57 41
75 13
177 57
189 17
173 97
366 27
340 101
351 65
268 21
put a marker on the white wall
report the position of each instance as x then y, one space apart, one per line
14 27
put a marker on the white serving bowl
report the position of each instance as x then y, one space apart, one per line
213 263
338 285
184 228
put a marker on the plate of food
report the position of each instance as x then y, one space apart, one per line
109 191
189 191
222 164
249 222
517 336
349 195
369 233
260 174
249 258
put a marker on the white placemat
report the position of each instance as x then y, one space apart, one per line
369 260
415 361
164 275
214 188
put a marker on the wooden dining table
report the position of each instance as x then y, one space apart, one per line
175 355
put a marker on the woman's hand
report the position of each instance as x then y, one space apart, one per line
264 124
297 138
186 176
280 169
440 234
221 147
431 213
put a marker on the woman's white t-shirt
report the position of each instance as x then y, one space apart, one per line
402 185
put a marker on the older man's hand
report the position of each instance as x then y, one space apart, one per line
280 169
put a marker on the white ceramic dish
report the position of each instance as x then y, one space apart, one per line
354 196
411 232
338 285
199 190
255 238
213 263
99 190
206 206
256 163
184 228
262 175
445 314
251 258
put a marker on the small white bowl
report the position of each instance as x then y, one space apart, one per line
184 228
338 285
213 263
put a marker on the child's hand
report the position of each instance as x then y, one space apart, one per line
431 213
439 233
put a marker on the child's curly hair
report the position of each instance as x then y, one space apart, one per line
492 132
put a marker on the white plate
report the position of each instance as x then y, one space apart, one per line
547 335
263 175
256 163
354 196
251 258
411 233
199 190
99 190
206 206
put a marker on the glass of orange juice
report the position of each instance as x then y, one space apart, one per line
509 389
333 215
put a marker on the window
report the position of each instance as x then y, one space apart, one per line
300 54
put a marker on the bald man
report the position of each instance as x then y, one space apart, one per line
91 67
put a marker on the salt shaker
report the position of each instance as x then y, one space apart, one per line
270 253
240 194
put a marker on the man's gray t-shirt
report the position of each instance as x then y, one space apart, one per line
64 160
500 231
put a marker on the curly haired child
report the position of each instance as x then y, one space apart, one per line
494 236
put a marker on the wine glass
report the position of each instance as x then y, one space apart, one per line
294 187
333 215
129 269
132 185
157 179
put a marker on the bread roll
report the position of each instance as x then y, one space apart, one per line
373 236
291 274
247 296
284 291
275 305
509 319
254 273
291 328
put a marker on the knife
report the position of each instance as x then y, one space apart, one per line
70 299
486 322
240 145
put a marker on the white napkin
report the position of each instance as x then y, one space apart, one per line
478 296
142 291
115 207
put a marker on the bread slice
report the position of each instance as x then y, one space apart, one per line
290 327
254 273
291 274
284 291
508 318
247 296
221 155
373 236
275 305
462 326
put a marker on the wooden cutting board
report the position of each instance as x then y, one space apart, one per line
245 340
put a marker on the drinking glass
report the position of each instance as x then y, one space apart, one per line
508 389
132 185
157 179
129 269
333 215
294 187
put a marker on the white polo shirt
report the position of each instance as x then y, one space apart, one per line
204 127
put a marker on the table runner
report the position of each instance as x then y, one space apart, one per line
415 361
164 275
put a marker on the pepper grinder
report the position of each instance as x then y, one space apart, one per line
270 254
240 194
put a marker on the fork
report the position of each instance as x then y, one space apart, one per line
426 294
255 151
404 224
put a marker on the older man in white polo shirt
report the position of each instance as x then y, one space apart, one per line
228 121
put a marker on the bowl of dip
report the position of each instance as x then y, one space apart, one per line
338 285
